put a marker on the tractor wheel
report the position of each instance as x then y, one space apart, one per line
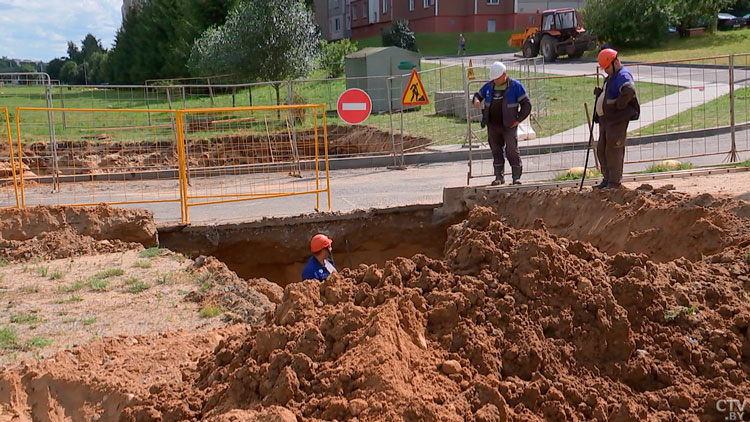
530 49
549 48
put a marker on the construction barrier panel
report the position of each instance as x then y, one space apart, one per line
250 153
122 157
9 189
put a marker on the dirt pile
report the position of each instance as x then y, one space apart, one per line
663 224
107 156
59 231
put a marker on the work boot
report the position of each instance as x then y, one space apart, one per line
499 175
602 185
613 186
517 170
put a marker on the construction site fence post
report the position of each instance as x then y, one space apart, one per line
732 117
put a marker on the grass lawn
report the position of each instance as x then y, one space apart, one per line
446 44
712 114
717 43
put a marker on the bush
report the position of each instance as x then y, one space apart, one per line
399 35
619 22
333 54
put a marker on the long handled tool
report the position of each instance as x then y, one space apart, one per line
588 149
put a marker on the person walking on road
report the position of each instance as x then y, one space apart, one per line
616 105
320 265
506 104
461 45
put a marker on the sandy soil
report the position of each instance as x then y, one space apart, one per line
731 185
544 306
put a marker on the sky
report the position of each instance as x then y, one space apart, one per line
41 29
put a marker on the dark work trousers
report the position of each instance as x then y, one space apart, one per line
611 157
503 143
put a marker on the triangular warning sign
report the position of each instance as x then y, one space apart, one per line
470 74
414 94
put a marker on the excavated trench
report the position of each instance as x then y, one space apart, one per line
662 225
277 249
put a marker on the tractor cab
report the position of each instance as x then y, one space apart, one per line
560 33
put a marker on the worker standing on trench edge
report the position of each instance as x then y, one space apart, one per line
506 104
613 111
320 265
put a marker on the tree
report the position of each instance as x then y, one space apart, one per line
333 54
89 46
268 40
399 35
620 22
74 53
698 13
54 66
155 41
69 73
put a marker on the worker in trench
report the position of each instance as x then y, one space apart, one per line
613 111
320 265
506 104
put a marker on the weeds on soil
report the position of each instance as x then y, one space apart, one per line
8 338
31 289
136 286
671 314
57 275
38 342
142 264
71 299
660 168
24 319
210 311
89 321
110 272
151 252
72 287
42 270
4 263
747 256
98 285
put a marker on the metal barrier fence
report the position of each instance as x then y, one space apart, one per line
9 197
162 157
694 110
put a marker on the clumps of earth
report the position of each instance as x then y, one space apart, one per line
510 325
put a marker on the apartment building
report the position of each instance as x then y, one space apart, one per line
333 18
364 18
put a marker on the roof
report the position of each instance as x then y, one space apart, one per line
370 51
566 9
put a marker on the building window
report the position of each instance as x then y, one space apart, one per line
426 3
337 24
493 2
385 6
411 5
364 10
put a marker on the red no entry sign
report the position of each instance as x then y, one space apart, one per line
354 106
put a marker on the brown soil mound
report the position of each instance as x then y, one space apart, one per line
58 231
91 157
664 225
512 325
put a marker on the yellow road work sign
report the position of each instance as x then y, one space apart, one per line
414 94
470 73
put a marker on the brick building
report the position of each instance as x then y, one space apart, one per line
364 18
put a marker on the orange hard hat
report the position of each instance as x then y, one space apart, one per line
320 242
606 57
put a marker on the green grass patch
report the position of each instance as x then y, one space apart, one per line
31 289
712 44
89 321
446 44
151 252
164 278
671 314
8 338
72 287
111 272
210 311
745 163
38 342
98 285
142 264
25 319
4 262
566 176
661 168
57 275
136 286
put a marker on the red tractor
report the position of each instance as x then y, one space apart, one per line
561 33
